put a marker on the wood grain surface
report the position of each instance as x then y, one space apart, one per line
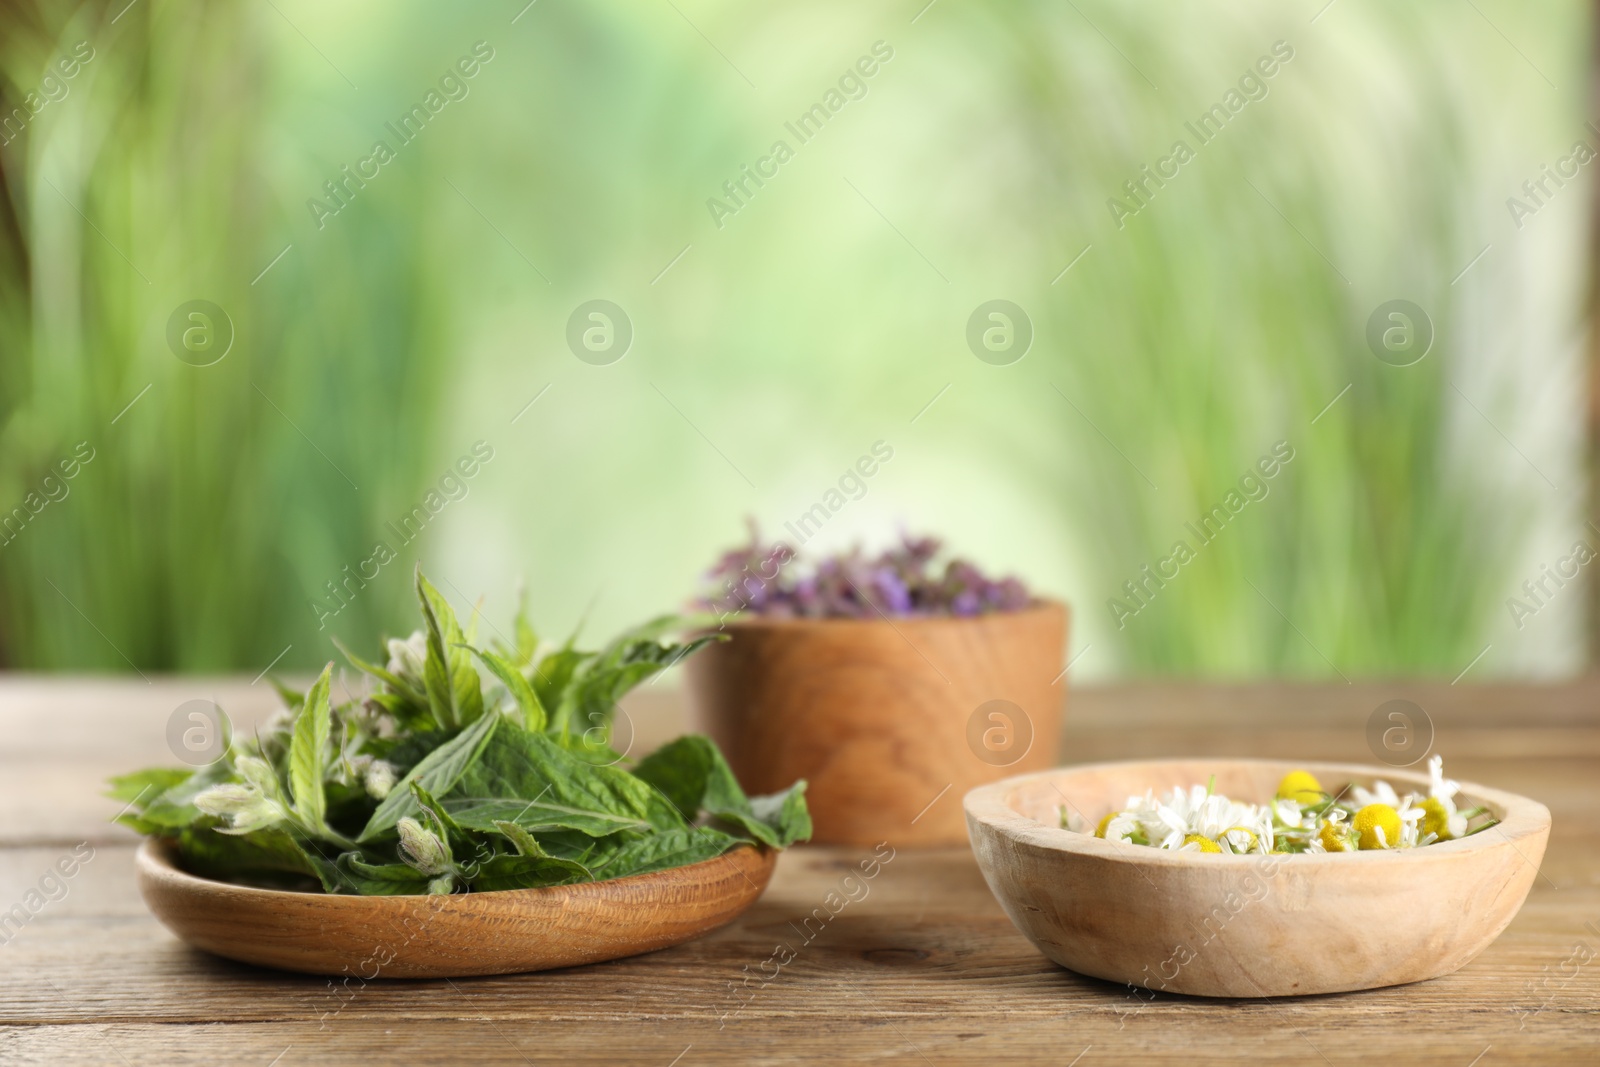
452 935
1246 926
881 716
917 964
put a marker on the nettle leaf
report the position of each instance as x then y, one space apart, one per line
308 754
527 872
382 880
524 842
590 699
292 698
397 685
527 639
518 763
454 690
175 808
484 814
533 714
553 675
535 866
659 851
257 855
437 772
142 788
786 813
692 774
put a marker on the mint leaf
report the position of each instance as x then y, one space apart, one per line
786 813
453 686
519 763
437 772
533 715
527 872
484 814
397 684
692 774
308 748
261 855
142 788
670 848
381 880
590 699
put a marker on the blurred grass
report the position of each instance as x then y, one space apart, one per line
1221 319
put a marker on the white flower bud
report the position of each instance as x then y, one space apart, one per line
420 848
258 773
407 657
229 799
246 809
442 886
379 779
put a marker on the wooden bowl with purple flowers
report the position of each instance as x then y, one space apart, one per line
892 685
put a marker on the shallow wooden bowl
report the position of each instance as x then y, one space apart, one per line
457 935
1245 926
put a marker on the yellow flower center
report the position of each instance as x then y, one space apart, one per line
1255 842
1301 786
1331 838
1205 843
1435 819
1373 818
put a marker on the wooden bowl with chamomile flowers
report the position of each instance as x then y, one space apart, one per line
1254 925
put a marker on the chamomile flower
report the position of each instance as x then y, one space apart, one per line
1377 826
1119 826
1441 818
1301 817
1288 813
1380 793
1199 843
1301 786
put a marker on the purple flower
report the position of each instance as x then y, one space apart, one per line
772 581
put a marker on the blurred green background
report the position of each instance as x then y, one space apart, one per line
1175 341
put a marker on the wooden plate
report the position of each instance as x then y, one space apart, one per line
1246 926
456 935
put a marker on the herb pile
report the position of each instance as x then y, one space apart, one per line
913 578
446 779
1303 817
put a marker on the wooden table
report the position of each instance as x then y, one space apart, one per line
925 969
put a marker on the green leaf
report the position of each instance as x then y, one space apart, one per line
525 842
269 852
786 813
533 715
291 698
175 808
382 880
527 639
692 774
484 814
527 872
454 691
519 763
553 676
308 753
660 851
437 772
590 699
397 684
142 788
